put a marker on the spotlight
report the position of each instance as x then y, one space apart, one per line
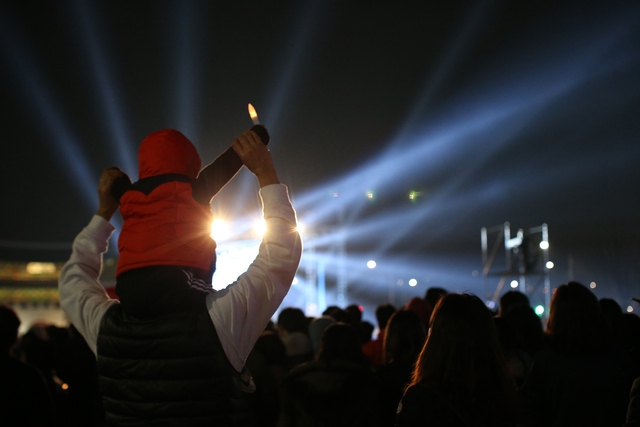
219 229
413 282
539 310
300 228
550 265
592 285
371 264
370 195
629 309
514 284
260 227
544 245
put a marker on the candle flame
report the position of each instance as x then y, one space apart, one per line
252 112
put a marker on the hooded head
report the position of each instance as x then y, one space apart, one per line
168 151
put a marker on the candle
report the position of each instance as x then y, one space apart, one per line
254 115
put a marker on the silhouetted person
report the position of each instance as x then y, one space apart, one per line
186 368
293 328
373 349
461 377
512 299
25 399
633 411
403 342
528 327
337 389
580 378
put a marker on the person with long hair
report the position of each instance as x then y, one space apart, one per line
461 377
580 378
402 344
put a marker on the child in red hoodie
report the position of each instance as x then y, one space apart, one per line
167 256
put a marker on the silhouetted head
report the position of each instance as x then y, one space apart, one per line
404 338
292 319
576 325
9 324
513 299
340 342
433 295
383 314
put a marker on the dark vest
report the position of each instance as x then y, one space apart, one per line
167 371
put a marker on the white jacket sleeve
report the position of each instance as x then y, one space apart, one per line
82 297
242 310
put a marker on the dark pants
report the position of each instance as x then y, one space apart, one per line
156 291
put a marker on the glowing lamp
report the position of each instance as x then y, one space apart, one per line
544 245
550 265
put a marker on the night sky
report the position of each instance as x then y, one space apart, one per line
526 112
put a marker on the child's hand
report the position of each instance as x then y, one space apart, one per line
256 157
107 203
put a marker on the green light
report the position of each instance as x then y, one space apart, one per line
413 195
539 310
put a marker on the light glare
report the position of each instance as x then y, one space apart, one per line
514 284
260 227
592 285
539 310
544 245
219 229
371 264
550 265
413 282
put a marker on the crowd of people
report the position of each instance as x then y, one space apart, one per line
444 361
171 351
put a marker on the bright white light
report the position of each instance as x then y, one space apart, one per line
550 265
300 228
371 264
260 227
592 285
490 304
413 282
295 281
233 260
539 310
544 245
629 309
514 284
219 230
370 195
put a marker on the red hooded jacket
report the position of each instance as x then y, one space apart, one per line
166 226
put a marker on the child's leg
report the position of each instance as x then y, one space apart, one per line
158 290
